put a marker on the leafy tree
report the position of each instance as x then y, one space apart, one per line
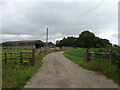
86 39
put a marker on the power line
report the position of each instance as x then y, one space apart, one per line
90 10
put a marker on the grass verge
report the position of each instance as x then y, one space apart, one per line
77 56
16 76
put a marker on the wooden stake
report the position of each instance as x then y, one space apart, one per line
87 55
32 61
5 58
21 59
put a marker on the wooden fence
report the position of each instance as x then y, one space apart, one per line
88 55
39 54
21 56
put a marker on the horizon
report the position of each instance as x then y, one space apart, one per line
58 40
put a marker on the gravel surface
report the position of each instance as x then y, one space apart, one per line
59 72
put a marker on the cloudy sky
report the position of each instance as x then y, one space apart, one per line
29 20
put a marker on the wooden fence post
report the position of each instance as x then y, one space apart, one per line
5 58
87 55
21 59
32 61
11 56
39 55
90 57
110 57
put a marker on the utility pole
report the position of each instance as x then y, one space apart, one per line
54 42
47 39
47 36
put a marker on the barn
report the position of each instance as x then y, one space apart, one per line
49 45
23 44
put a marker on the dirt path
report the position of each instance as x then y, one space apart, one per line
59 72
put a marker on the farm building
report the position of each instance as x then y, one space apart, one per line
49 45
23 44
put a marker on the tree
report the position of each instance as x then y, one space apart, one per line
86 39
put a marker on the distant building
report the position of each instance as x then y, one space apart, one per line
49 45
23 44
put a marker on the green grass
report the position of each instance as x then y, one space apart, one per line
16 75
13 50
77 56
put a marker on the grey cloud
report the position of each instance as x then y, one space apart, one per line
7 37
62 19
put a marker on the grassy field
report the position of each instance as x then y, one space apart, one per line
77 56
16 75
13 50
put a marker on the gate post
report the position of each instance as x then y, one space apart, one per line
21 59
110 57
87 55
32 60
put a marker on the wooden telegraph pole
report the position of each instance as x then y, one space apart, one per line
47 39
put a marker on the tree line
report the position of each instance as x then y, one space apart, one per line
86 39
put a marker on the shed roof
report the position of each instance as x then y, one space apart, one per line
25 41
48 43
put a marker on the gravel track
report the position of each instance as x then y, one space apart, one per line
59 72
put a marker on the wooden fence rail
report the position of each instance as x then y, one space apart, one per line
30 55
88 55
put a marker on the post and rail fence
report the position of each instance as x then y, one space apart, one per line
26 57
88 55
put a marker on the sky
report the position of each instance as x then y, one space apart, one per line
28 20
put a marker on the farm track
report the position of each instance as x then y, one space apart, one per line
59 72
